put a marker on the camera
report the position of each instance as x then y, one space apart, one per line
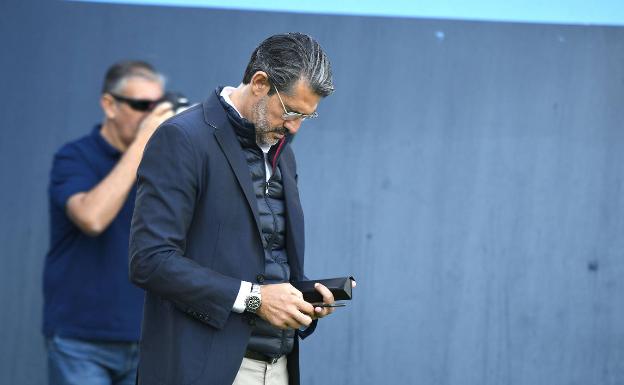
177 100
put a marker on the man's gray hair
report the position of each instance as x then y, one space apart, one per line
119 73
286 58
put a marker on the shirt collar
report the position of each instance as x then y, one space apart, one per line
225 94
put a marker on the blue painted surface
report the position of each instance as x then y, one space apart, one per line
601 12
469 175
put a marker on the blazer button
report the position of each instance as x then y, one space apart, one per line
260 278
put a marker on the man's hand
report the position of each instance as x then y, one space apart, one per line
328 297
283 306
150 123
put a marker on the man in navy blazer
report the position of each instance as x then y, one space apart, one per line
217 233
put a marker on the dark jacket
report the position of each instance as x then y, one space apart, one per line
195 235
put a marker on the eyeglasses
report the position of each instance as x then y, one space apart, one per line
138 104
289 115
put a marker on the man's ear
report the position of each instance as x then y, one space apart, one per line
109 106
260 85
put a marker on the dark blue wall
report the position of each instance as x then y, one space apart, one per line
470 175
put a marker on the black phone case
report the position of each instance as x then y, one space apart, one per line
340 288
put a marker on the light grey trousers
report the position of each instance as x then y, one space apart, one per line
254 372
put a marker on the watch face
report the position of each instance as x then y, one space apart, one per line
252 303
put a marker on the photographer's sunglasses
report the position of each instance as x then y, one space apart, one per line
289 115
138 104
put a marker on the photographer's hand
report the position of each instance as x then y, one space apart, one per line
150 123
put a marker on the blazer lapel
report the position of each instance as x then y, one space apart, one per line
224 133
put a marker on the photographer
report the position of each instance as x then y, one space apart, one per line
92 313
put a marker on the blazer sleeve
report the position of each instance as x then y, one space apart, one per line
167 185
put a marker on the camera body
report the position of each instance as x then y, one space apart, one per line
178 101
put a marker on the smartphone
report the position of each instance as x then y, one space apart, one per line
336 304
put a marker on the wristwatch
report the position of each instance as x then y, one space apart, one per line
253 300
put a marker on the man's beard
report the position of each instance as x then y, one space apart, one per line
263 128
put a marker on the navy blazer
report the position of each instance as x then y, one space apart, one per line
195 235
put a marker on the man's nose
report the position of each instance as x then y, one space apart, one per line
293 125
